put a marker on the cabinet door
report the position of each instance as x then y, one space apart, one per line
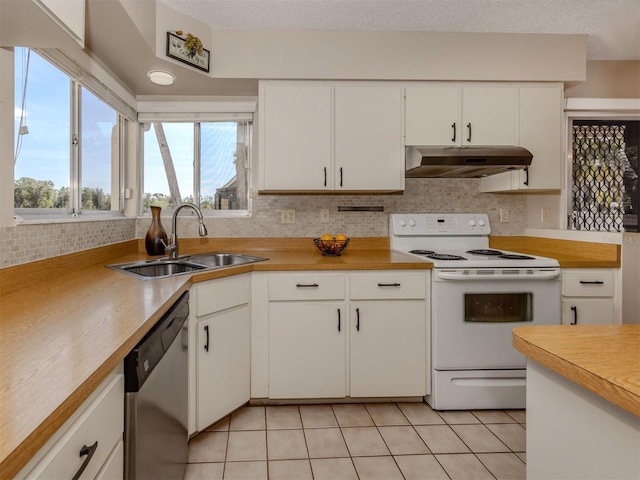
587 311
432 115
295 137
223 369
489 115
541 133
369 140
307 350
388 348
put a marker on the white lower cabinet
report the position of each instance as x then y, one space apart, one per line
588 296
347 335
90 444
388 349
307 350
221 363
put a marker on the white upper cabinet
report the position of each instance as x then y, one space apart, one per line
540 131
368 132
68 14
456 115
331 136
295 143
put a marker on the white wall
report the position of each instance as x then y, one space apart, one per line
631 278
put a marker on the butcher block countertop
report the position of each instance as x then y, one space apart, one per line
67 322
604 359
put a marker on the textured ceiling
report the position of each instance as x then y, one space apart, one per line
612 26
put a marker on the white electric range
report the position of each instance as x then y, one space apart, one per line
478 295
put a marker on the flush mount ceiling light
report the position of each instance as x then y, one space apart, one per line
160 77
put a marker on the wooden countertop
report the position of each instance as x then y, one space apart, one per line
604 359
67 322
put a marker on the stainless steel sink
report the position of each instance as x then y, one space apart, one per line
170 267
222 259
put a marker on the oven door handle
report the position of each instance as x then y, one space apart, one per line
462 277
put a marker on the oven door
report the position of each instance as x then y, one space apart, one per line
475 311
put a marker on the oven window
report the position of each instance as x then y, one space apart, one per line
498 307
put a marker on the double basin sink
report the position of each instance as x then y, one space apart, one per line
168 267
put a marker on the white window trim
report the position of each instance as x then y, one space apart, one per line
197 109
595 109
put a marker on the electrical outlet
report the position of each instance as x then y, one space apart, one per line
288 216
545 216
504 215
324 215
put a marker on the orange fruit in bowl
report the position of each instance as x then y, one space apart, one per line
341 237
326 236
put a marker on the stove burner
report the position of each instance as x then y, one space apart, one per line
513 256
422 252
483 251
445 256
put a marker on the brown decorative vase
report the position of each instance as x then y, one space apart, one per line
156 234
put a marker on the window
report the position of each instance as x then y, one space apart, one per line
205 163
604 193
67 150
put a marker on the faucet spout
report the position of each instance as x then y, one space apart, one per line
172 248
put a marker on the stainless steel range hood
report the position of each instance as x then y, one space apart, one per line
464 162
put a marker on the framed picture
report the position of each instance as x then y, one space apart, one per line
176 49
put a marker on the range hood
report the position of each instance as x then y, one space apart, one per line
464 162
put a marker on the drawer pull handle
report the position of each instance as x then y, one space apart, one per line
594 282
388 284
206 344
574 309
469 128
307 285
453 139
338 319
325 176
358 319
88 451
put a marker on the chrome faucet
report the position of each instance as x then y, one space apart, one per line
172 247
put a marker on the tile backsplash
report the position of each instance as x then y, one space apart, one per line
26 243
421 195
29 242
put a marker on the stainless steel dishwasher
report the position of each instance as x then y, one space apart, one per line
156 437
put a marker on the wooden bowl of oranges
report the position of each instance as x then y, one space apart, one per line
330 245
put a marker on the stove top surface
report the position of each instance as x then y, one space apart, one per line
455 241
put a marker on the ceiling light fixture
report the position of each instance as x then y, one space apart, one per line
160 77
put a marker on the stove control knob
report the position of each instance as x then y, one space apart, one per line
481 222
412 223
403 222
472 222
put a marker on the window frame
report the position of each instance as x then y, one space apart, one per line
590 109
192 111
80 79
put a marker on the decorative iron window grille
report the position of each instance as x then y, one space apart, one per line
604 181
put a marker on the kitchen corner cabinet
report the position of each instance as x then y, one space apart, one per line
330 137
91 438
588 296
454 115
541 132
222 339
347 335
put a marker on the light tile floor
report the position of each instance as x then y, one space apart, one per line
373 441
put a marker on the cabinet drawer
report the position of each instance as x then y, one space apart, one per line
387 286
101 422
590 283
221 294
307 287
